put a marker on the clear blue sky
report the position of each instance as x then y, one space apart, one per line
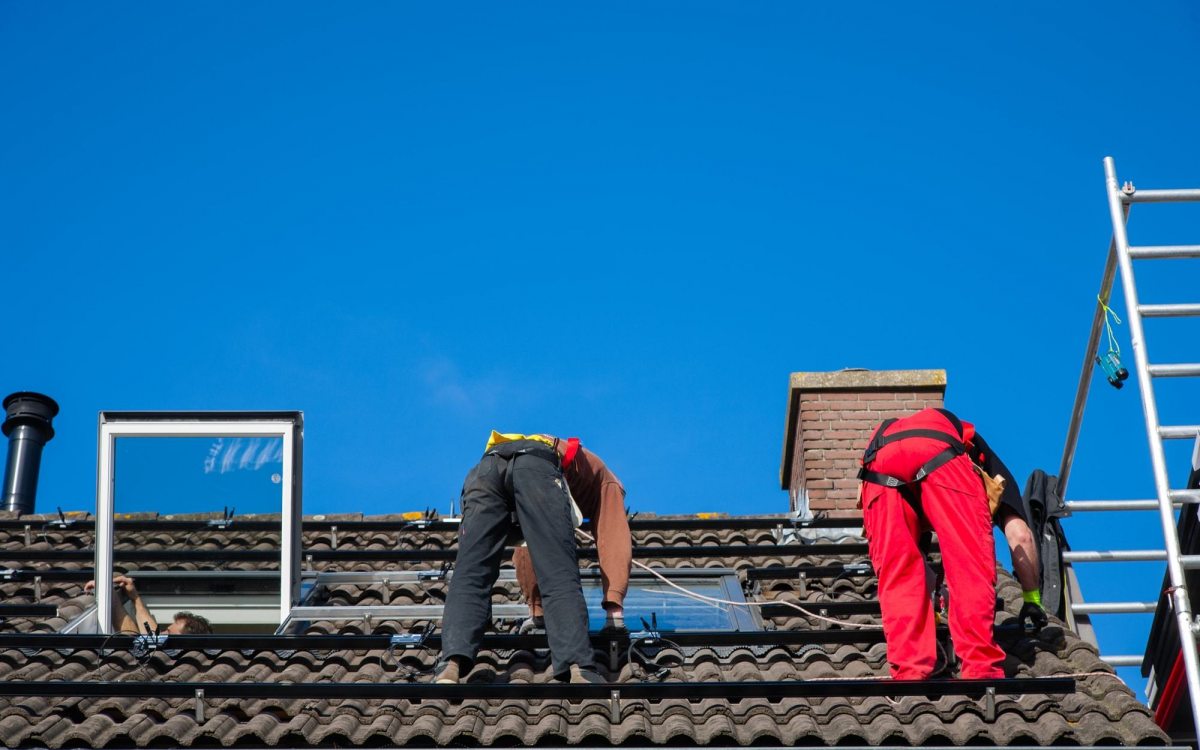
628 222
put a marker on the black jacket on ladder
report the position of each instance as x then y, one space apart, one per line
1044 509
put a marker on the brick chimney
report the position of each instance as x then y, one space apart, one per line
831 416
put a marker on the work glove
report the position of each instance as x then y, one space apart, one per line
1032 617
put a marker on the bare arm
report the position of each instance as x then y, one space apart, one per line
1024 552
142 617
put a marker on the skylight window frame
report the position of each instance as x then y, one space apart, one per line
286 425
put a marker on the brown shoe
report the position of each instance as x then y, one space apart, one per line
449 674
585 676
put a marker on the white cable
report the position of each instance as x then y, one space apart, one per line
701 597
808 613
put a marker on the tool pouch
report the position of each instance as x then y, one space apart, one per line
993 486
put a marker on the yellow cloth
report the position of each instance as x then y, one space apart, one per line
507 437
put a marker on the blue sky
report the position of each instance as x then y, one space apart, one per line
628 222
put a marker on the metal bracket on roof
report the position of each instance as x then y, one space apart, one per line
37 589
989 704
199 706
333 537
407 640
614 655
62 523
143 645
614 706
857 568
434 575
802 584
427 519
224 522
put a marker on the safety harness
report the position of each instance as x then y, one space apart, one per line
955 447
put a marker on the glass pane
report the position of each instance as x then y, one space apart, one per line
173 475
656 601
205 568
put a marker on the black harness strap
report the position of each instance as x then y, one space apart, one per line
956 448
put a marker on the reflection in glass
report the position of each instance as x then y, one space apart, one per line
655 601
197 569
173 475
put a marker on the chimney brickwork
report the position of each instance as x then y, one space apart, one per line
831 416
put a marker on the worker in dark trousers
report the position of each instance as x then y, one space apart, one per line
519 474
600 497
917 472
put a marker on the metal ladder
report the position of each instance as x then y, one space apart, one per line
1120 257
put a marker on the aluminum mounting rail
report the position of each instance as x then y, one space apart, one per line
850 549
401 642
544 691
443 524
28 610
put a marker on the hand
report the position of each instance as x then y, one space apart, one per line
89 587
1035 615
534 624
125 585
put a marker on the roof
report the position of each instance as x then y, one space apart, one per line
1101 711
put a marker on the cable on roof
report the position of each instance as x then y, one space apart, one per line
713 600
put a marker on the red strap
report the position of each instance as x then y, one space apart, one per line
572 449
1171 695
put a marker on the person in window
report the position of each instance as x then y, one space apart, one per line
533 477
125 591
919 472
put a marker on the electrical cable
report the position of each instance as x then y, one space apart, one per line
748 605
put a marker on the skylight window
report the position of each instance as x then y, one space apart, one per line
229 466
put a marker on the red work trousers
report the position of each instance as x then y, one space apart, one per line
953 501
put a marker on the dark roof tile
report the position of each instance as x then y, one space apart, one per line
1102 711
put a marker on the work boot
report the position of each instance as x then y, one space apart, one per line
451 672
580 676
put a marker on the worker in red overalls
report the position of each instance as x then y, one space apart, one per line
916 471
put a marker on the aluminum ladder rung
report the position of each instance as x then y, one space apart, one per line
1113 555
1179 432
1113 608
1189 370
1161 196
1155 252
1169 311
1178 497
1123 660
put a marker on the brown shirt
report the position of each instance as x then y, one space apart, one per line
601 498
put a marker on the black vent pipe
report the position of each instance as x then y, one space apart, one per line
27 426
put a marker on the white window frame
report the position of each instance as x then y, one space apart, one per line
286 425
